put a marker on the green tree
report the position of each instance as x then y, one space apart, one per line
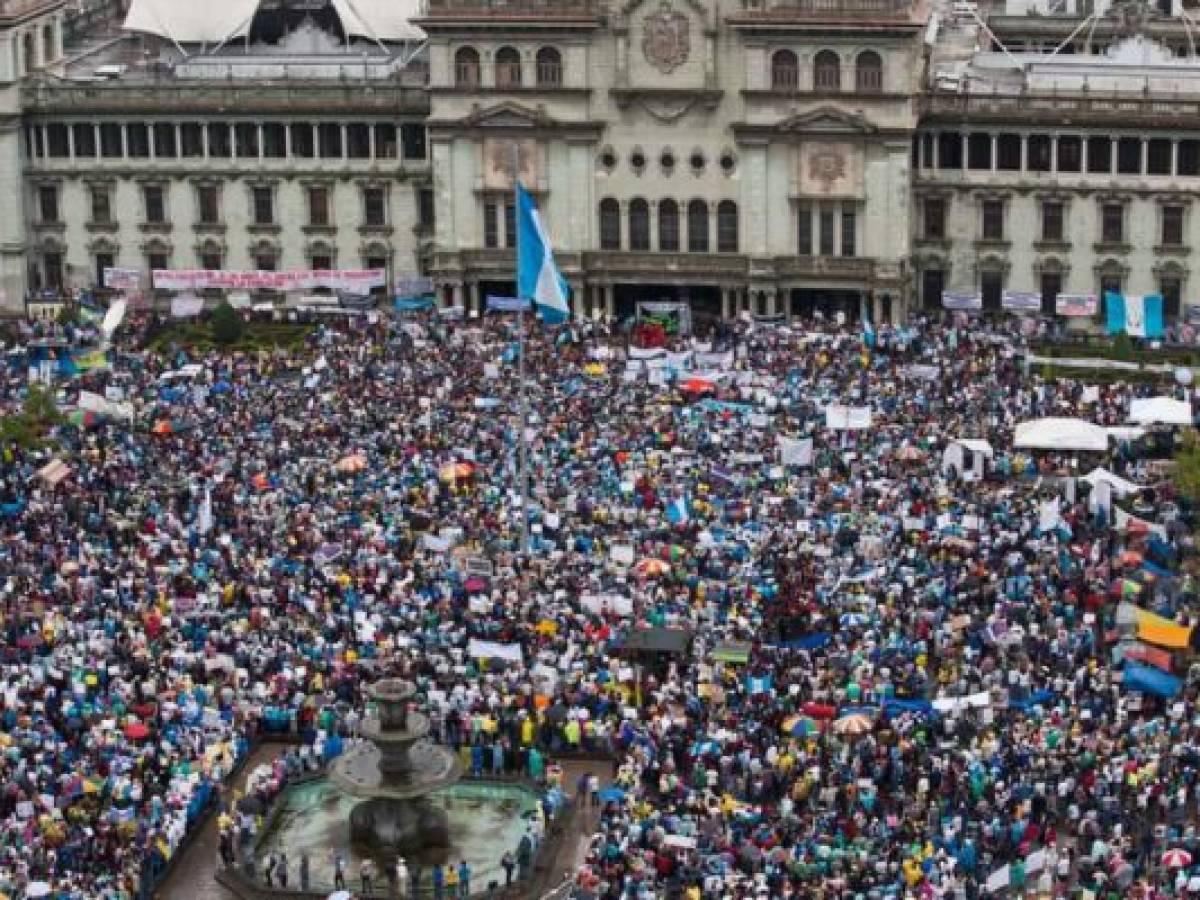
39 413
1122 347
1186 472
227 326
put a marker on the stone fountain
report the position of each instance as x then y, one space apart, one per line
394 773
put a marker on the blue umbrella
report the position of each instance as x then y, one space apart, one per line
612 795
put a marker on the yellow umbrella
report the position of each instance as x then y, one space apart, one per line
547 627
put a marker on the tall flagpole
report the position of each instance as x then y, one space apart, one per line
523 447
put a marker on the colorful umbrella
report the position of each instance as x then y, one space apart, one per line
698 386
83 418
162 427
800 726
853 724
355 462
1176 858
652 567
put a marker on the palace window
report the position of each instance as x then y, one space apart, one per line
668 226
868 72
374 207
1070 153
727 227
1172 226
849 230
804 229
549 67
1099 154
639 224
1112 223
827 71
993 220
208 205
85 139
935 219
153 196
48 203
466 67
1051 284
1052 220
101 205
610 224
263 205
508 68
318 206
979 152
785 71
697 227
991 286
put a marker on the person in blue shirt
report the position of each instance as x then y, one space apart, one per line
464 879
439 882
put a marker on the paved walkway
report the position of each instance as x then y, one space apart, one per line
195 874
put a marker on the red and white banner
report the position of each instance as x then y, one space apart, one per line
357 281
1076 304
122 279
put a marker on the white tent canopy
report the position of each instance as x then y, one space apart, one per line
960 450
1060 434
1120 486
224 20
1160 411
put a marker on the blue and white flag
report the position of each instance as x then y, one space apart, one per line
1134 315
538 278
868 334
759 685
679 511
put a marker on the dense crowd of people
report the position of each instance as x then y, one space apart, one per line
827 663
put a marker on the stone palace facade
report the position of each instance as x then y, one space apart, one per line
765 157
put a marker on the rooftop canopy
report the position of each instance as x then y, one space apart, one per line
224 20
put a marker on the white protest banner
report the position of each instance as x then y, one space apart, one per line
477 649
847 418
122 279
354 281
606 604
186 305
796 452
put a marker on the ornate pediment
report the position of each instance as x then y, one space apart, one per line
827 120
508 115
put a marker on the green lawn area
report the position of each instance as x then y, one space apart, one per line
257 336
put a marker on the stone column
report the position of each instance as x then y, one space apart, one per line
726 298
579 302
474 305
456 294
609 302
995 149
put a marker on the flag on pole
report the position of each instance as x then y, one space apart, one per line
204 521
538 278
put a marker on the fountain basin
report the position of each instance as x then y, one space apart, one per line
483 821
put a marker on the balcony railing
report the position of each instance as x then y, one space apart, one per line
534 9
783 9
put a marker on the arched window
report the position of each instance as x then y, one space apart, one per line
639 224
697 227
868 72
610 224
668 226
48 53
28 53
549 67
466 67
727 227
785 71
508 68
827 71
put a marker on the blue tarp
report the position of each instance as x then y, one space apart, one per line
1150 680
413 304
808 642
893 707
1037 698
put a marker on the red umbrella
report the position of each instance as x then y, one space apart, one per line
698 386
137 731
1176 858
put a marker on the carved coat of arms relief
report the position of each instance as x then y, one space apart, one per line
665 42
